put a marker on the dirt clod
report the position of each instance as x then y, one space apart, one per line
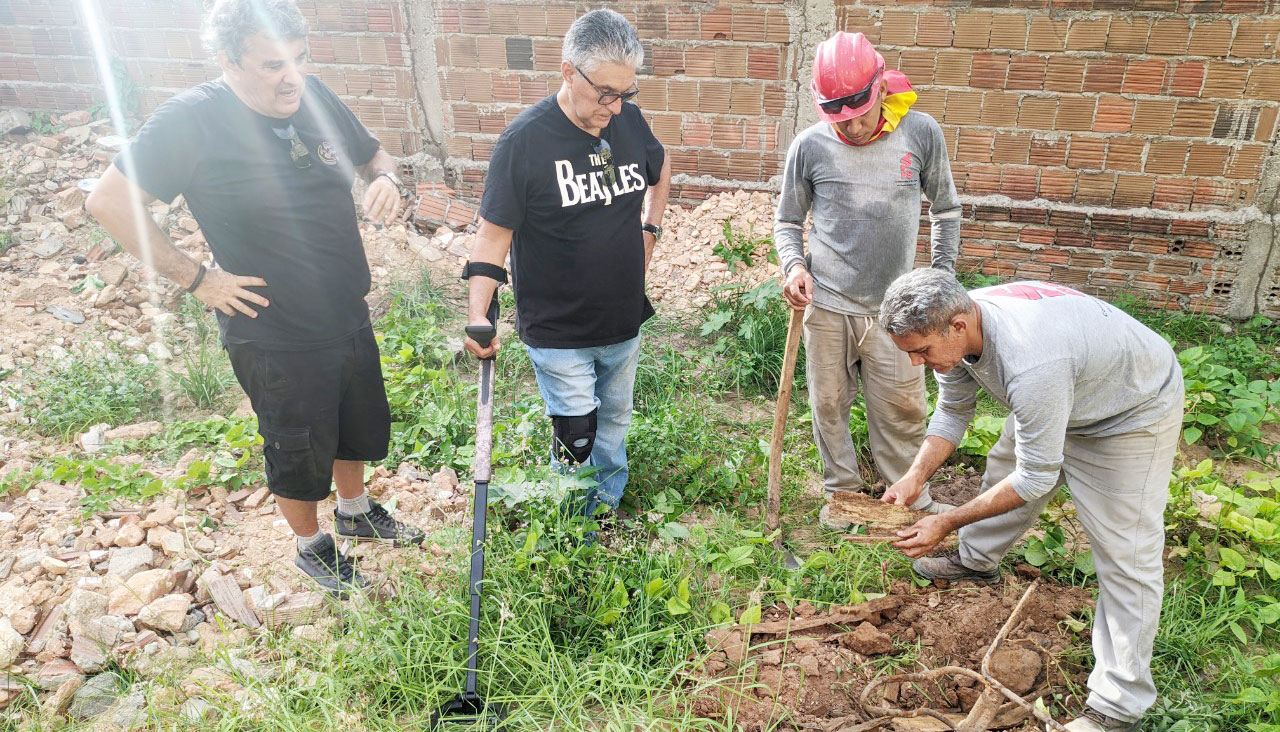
1016 668
867 640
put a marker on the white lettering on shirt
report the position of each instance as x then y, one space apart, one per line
581 188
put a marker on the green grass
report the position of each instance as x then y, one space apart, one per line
90 387
598 637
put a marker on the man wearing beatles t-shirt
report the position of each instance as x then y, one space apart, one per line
576 191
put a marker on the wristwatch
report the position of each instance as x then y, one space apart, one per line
653 229
391 177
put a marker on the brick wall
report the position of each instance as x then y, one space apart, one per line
1117 145
1152 126
716 88
360 48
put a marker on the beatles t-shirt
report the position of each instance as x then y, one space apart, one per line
574 202
292 224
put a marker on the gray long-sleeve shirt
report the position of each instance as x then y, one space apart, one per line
1064 363
866 210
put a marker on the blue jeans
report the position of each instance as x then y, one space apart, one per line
573 382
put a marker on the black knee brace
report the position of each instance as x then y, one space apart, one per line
573 437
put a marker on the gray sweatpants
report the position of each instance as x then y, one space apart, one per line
841 350
1119 486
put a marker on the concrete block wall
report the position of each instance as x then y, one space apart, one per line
1115 145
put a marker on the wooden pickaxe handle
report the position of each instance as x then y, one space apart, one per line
790 351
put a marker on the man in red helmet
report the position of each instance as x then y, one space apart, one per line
861 171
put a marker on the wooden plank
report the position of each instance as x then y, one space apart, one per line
226 594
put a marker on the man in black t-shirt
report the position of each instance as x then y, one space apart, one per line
576 190
265 157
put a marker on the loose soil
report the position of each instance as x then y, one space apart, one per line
810 678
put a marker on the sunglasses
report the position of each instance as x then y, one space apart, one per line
855 100
297 150
609 97
605 153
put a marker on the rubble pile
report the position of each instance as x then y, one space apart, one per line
686 268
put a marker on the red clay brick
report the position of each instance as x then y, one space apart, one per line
1264 82
1064 74
989 70
1009 31
1153 116
1088 34
1144 76
1027 72
1193 119
951 68
1210 37
1125 154
1047 34
1114 114
1186 78
973 29
933 29
1169 36
898 28
1104 75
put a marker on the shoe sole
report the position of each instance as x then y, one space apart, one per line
339 594
978 578
377 539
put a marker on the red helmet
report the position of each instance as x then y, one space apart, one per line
845 73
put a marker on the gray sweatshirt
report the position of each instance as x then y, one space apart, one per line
1064 363
866 210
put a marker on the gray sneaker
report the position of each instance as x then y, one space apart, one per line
1095 721
935 507
948 567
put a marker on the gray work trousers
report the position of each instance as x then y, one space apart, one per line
1119 486
842 350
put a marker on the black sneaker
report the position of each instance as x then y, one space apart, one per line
377 525
329 568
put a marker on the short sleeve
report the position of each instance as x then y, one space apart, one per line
504 185
654 153
159 159
361 144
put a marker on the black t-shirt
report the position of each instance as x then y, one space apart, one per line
261 214
577 256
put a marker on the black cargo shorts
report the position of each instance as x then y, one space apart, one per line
315 406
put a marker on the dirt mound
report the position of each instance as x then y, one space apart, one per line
803 670
956 486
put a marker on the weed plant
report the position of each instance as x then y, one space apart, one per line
90 387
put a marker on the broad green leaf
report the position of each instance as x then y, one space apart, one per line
750 616
654 586
1238 632
678 606
1272 568
1232 559
1035 556
1224 578
1191 434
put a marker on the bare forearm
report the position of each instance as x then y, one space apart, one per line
380 163
933 453
999 498
127 220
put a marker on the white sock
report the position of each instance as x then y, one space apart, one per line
354 506
306 542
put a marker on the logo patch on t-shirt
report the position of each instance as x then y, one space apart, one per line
327 154
1031 290
905 172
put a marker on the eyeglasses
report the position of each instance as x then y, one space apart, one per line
297 150
855 100
609 97
605 153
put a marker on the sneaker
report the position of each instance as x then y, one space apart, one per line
1095 721
936 507
329 568
948 567
377 525
832 524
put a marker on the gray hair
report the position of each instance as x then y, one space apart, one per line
230 23
923 301
602 36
